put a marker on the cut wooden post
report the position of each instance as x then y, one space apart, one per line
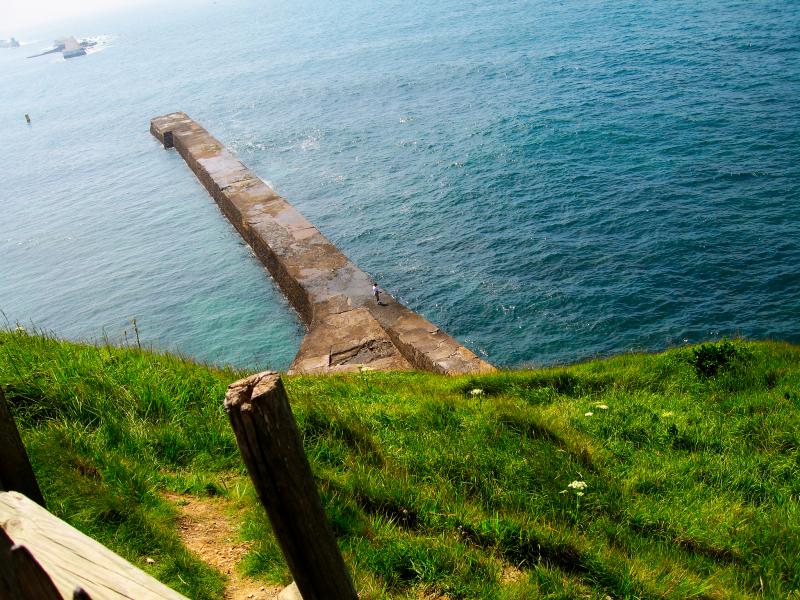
33 583
273 453
16 472
8 582
21 576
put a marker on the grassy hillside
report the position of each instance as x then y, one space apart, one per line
644 476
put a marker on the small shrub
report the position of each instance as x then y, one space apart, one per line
710 359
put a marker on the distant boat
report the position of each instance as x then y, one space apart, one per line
69 47
72 48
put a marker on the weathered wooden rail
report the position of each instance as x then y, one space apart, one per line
70 558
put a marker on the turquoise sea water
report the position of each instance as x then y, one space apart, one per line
547 181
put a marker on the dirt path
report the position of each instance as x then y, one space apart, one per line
206 529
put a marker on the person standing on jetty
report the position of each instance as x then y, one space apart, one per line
377 292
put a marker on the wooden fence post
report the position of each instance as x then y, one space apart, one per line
32 581
21 576
273 453
8 581
16 472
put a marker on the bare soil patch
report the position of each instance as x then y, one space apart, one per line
207 529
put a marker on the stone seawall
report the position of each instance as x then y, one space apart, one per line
347 329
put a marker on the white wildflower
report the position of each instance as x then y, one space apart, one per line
578 485
602 406
476 392
588 414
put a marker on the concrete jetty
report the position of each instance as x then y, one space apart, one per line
347 329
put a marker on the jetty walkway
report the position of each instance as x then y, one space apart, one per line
347 329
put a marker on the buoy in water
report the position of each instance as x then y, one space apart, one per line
27 118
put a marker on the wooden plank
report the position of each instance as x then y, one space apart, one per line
74 559
16 472
273 452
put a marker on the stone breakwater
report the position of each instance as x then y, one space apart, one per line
347 329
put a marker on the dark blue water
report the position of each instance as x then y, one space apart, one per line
546 181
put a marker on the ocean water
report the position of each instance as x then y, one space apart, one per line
547 181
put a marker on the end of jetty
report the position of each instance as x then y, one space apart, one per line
347 329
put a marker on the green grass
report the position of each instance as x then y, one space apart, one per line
692 470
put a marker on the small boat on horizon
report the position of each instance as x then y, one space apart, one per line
72 48
69 47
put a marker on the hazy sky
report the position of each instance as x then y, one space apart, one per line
19 15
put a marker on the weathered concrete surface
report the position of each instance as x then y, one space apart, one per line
347 329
